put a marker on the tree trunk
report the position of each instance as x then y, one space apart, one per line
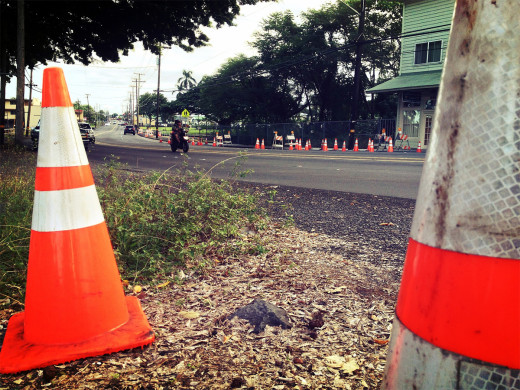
20 76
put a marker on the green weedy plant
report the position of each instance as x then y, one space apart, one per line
157 221
17 169
161 221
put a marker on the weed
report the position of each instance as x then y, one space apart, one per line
158 222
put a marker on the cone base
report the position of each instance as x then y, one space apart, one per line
19 355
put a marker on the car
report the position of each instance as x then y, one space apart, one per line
129 129
87 134
35 135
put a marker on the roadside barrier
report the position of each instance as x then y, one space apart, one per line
277 141
75 305
220 140
457 323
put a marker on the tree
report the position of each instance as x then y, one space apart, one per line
148 105
186 81
79 31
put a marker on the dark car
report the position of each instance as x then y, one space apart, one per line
129 129
35 135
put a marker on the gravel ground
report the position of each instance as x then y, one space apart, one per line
378 226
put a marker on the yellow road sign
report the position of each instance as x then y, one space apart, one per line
185 113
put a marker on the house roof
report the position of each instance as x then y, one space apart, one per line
417 80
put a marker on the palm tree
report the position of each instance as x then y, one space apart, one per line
186 81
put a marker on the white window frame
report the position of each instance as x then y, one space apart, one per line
429 51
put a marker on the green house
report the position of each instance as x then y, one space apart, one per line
425 32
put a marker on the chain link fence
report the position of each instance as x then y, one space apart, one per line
247 134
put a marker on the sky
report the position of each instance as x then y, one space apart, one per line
107 86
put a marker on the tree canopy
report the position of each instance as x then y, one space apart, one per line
306 67
80 30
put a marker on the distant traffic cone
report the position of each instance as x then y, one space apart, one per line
419 147
160 141
257 145
310 145
193 142
356 146
290 146
325 145
263 144
457 322
75 306
214 141
299 144
371 145
390 145
206 141
344 147
335 144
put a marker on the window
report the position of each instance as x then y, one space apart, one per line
428 52
411 121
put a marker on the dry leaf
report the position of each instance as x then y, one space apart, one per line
163 284
189 315
137 289
125 283
381 342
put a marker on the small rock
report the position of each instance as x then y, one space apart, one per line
260 313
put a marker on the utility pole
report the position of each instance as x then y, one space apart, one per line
88 107
137 86
158 84
30 85
158 89
354 112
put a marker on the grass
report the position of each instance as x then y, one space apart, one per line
158 222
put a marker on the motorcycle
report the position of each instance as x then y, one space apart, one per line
183 142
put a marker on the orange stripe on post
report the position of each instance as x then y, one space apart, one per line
54 90
63 178
464 303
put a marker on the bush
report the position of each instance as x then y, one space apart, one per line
157 221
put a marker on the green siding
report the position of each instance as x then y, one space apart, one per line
423 16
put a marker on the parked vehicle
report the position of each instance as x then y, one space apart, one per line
87 134
35 135
129 129
180 139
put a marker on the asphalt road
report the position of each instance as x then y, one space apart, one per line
381 173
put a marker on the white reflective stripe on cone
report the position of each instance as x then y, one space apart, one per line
66 209
470 189
60 143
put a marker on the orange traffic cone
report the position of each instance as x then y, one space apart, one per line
263 144
344 147
419 147
160 141
214 141
193 142
257 145
310 145
356 146
457 321
75 306
390 145
325 146
335 144
371 145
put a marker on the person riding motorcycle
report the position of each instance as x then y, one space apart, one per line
177 131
